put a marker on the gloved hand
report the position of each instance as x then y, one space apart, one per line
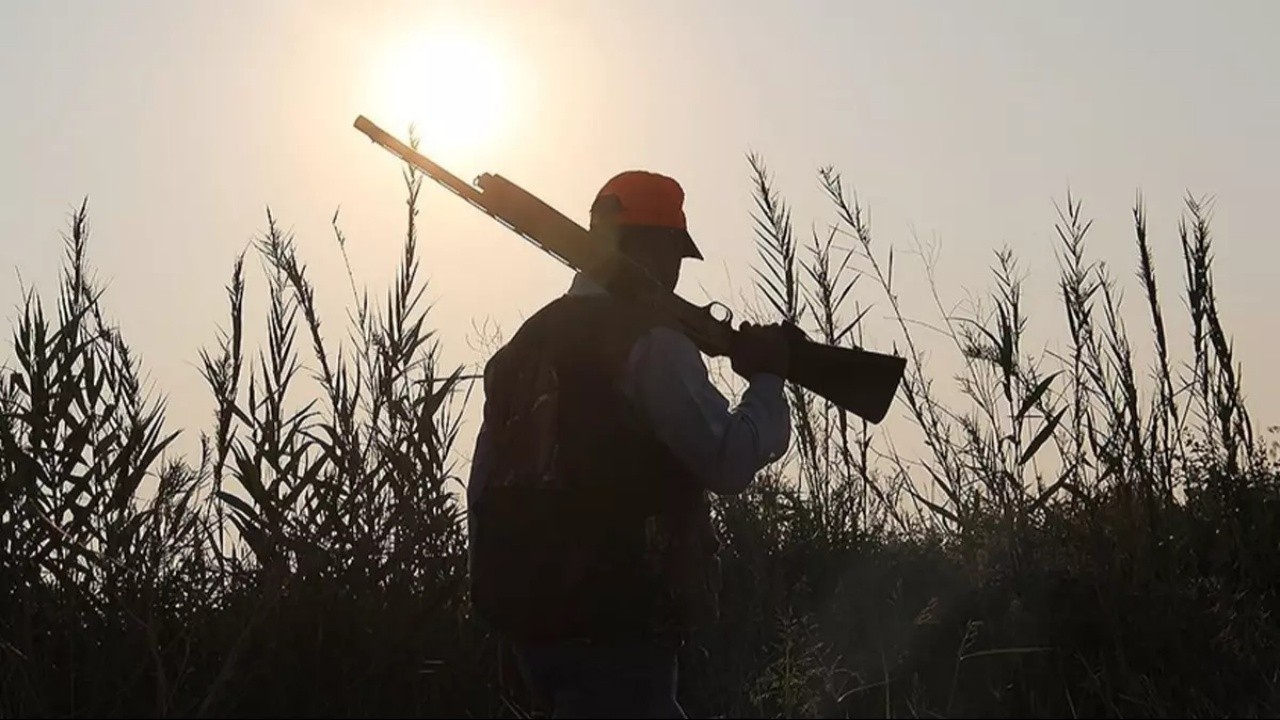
761 348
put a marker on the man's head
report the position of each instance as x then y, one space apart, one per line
647 211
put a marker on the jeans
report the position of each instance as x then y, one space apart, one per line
601 680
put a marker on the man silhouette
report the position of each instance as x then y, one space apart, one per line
591 544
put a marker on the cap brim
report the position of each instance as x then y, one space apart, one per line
690 247
678 236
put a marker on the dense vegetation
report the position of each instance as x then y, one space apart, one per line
1074 540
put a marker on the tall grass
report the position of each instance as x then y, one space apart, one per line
1078 536
1070 542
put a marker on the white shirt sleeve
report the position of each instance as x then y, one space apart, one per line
724 448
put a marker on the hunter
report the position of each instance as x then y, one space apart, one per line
591 546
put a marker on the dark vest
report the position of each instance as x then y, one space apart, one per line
586 525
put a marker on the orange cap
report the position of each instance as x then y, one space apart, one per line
646 199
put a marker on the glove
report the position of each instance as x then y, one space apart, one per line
761 349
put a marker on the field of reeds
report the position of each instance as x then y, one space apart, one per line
1082 534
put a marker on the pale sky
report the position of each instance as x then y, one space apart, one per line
961 122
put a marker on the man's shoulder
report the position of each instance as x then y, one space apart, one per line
603 314
549 316
602 321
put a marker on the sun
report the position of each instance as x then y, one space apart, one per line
451 86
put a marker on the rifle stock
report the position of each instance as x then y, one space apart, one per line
859 381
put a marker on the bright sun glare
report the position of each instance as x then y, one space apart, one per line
451 86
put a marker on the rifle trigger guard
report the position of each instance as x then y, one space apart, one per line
728 314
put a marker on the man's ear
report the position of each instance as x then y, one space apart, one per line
605 211
604 219
606 233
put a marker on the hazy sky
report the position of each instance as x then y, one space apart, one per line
960 122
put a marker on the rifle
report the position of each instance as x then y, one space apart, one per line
859 381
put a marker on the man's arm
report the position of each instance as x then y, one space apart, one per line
724 448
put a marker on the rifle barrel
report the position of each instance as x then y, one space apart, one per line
467 191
